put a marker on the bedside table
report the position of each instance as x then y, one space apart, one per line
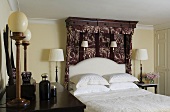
145 86
63 102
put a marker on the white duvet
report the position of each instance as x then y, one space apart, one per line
130 100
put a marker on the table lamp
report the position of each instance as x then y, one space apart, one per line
18 23
26 76
56 55
141 54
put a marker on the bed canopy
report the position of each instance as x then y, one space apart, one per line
99 33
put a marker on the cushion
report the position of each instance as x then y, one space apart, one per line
91 89
122 85
120 77
88 79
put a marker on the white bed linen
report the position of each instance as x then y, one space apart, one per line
130 100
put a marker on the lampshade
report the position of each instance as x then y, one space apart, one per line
141 54
17 22
113 44
56 55
84 44
27 35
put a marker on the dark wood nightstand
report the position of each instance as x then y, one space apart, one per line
63 102
145 86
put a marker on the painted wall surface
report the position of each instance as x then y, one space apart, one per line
143 38
47 36
4 12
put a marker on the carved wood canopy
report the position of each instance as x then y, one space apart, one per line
99 33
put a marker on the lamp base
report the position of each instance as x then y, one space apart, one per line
141 82
18 103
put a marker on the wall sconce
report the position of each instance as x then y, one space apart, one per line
84 44
56 55
18 23
113 44
141 54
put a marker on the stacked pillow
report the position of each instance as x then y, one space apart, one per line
89 83
119 81
92 83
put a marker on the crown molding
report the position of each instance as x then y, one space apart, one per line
41 21
162 26
145 27
54 21
13 5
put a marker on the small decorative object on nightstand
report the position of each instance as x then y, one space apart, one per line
45 88
145 86
151 76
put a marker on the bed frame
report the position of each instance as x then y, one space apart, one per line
101 66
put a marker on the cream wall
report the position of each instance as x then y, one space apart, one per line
47 36
4 12
143 38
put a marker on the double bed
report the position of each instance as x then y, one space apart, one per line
118 100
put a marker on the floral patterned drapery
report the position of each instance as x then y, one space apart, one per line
99 33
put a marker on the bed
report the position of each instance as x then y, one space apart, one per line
115 100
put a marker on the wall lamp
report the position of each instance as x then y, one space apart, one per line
113 44
84 44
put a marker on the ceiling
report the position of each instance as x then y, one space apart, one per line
147 12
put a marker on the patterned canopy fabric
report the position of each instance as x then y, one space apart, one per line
99 33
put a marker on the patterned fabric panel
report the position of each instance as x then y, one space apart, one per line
104 40
89 53
119 51
90 37
73 55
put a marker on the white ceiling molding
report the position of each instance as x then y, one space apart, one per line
42 21
13 5
54 21
145 27
162 26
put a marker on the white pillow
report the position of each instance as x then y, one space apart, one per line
120 86
120 77
88 79
91 89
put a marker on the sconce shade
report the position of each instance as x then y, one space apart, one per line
141 54
27 35
17 22
113 44
56 55
84 44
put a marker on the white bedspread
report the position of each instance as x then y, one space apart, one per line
131 100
